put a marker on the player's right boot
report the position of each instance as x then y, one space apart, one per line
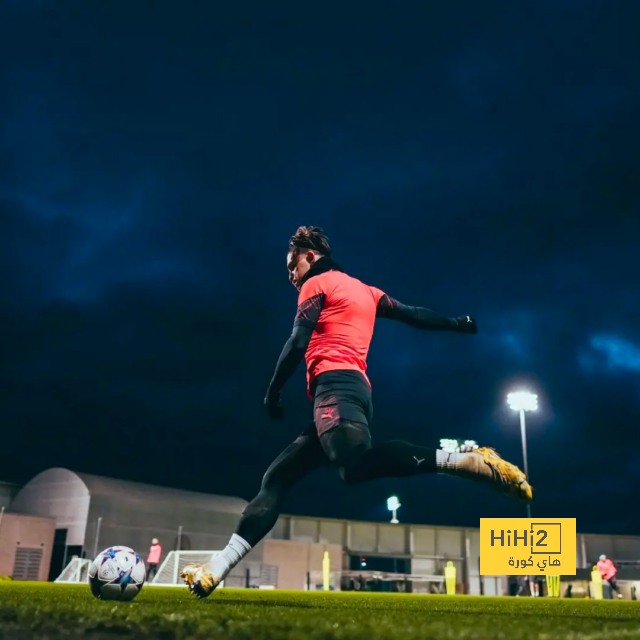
485 464
201 582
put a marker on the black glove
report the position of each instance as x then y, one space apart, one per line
465 324
273 405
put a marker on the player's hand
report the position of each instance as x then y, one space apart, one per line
465 324
273 405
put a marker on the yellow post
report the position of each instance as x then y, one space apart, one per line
596 584
326 570
553 586
450 578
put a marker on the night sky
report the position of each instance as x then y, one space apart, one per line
473 157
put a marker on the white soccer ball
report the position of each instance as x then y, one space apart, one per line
117 573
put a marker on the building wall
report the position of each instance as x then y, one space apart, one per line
428 547
135 523
7 491
295 559
28 532
129 513
132 514
616 547
58 494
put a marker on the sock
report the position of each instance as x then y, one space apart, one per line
452 463
229 557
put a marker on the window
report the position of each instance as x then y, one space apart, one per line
384 564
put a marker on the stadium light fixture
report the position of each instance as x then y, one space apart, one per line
453 445
523 401
450 445
393 504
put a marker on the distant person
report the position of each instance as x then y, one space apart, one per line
512 583
523 586
568 593
539 585
608 571
332 330
153 559
534 586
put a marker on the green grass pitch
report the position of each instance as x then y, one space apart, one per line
36 610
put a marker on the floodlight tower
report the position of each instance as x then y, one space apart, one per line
523 401
393 504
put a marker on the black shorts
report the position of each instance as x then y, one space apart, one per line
342 411
340 395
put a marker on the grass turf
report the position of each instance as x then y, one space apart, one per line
36 610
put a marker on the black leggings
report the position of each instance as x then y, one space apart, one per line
152 570
613 583
346 446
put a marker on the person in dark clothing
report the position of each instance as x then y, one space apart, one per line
332 330
523 586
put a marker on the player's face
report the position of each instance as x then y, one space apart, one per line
298 263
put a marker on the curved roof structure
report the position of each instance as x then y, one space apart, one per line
124 489
77 500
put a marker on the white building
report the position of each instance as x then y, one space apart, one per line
92 513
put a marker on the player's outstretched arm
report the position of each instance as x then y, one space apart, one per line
423 318
293 352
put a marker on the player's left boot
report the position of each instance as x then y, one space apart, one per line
484 463
201 582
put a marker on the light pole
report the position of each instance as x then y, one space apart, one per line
523 401
393 504
95 542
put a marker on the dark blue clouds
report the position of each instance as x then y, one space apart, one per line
611 353
472 157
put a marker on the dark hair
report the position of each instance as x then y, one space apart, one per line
310 238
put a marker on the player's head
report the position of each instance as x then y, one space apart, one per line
306 246
155 541
603 557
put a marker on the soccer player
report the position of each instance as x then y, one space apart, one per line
333 328
609 572
153 559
